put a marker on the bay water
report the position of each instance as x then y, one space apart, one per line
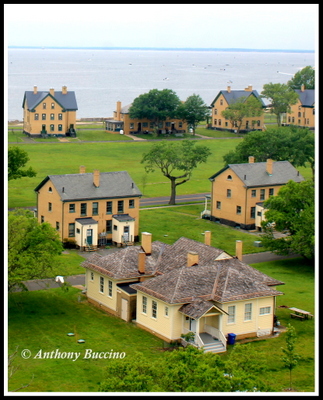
100 78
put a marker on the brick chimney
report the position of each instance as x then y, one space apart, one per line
229 89
302 87
35 89
207 238
141 261
192 258
251 159
118 116
64 89
269 166
146 242
96 178
51 91
239 249
249 88
82 169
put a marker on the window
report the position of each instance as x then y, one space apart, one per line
44 106
71 230
160 125
288 119
57 225
50 189
215 121
271 192
60 127
92 276
78 231
248 312
52 106
145 124
221 102
120 206
299 114
252 212
215 111
43 117
154 309
232 314
110 288
258 122
166 311
60 117
239 210
144 304
218 205
108 226
42 219
253 193
132 126
36 117
51 127
219 122
101 284
228 193
259 213
293 120
229 178
131 203
180 124
109 207
115 227
52 117
72 208
83 209
264 310
49 206
226 123
262 194
95 208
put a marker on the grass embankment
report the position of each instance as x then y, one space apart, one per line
41 321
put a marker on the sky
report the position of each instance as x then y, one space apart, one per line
255 26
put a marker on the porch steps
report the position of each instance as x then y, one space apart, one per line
211 344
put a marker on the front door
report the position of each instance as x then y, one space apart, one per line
193 325
89 234
126 233
124 309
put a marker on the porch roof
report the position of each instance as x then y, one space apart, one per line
197 308
123 217
86 221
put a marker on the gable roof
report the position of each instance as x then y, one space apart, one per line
306 97
232 96
224 281
80 186
66 101
254 174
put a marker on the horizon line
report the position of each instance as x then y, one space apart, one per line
162 48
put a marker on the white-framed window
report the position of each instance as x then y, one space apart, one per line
154 309
110 288
92 276
265 310
253 193
166 311
228 193
101 284
248 312
218 205
232 314
238 210
144 304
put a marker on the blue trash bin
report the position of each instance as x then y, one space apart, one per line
231 338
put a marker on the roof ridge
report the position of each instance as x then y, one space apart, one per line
177 283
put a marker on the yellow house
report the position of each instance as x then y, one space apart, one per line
49 113
227 97
121 122
91 208
238 188
303 112
170 290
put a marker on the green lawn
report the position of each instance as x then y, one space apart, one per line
41 320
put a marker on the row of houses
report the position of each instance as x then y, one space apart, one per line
53 113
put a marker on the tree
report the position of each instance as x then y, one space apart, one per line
176 161
32 248
193 111
290 358
156 106
305 76
292 144
281 96
17 159
242 108
291 212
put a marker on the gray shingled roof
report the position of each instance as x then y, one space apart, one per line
197 308
80 186
254 174
224 281
232 96
66 101
307 97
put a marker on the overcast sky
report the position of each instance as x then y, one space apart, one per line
260 26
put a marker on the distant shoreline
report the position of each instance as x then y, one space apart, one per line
163 49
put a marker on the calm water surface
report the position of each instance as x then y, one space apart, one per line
100 78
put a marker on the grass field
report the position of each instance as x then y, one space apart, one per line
41 320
